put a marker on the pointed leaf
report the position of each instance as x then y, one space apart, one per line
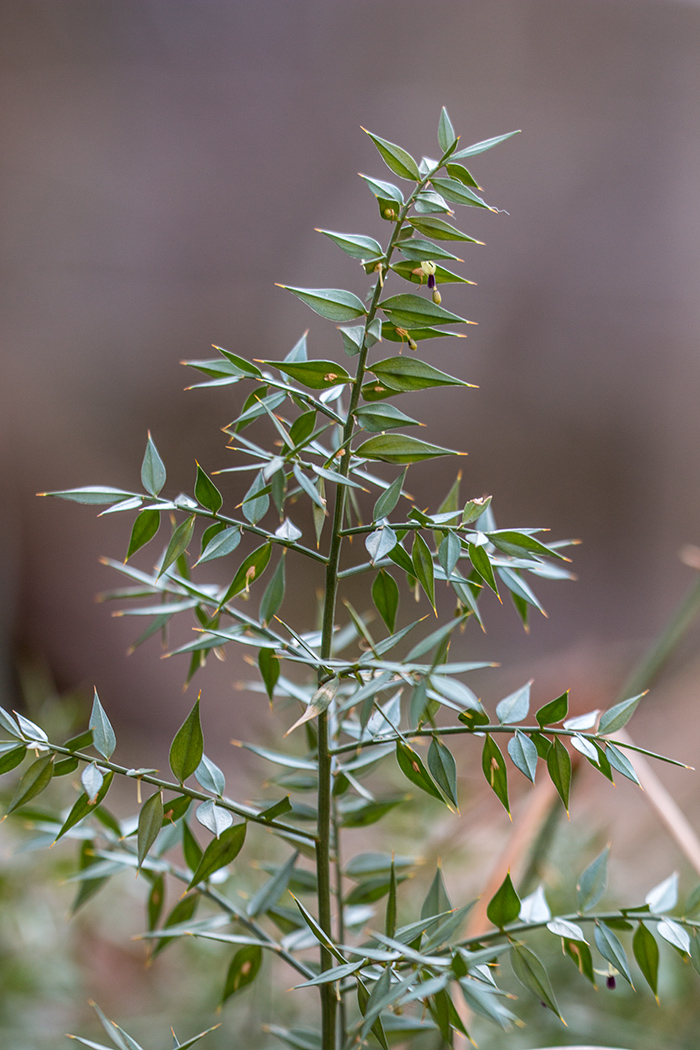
385 595
219 853
103 736
389 498
523 754
381 417
591 885
409 310
442 765
504 906
619 715
646 952
609 946
663 897
220 544
396 158
274 594
250 570
410 373
675 934
356 245
532 974
187 746
514 708
446 133
178 543
380 542
209 776
555 711
150 823
272 890
206 492
144 529
494 767
36 778
412 767
214 818
333 303
400 448
559 768
152 469
92 780
481 147
242 970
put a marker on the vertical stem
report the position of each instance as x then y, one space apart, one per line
327 828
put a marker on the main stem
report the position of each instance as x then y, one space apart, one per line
327 830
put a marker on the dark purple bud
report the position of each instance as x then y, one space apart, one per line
610 982
431 280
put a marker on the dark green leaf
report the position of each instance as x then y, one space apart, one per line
494 767
412 311
389 498
555 711
396 158
580 955
156 900
34 781
444 770
277 810
246 368
390 914
250 570
400 448
82 806
11 759
440 230
423 566
269 667
411 765
591 885
182 912
178 543
459 172
103 736
152 469
187 746
559 768
609 946
333 303
385 595
303 426
206 492
144 529
532 974
410 373
243 970
619 715
646 952
504 906
150 823
482 565
274 594
220 852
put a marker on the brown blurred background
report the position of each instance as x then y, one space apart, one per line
164 163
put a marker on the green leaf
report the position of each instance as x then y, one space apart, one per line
532 974
82 806
269 667
400 448
559 768
444 770
396 158
152 469
609 946
182 912
389 498
220 543
385 595
187 746
34 781
455 191
482 565
377 418
250 570
8 724
411 765
219 853
523 754
646 952
91 494
12 758
580 955
317 375
591 885
423 566
410 373
333 303
272 890
356 245
555 711
619 761
412 311
390 914
242 970
481 147
256 500
103 736
494 767
504 906
514 708
150 823
384 191
195 1038
619 715
449 552
319 703
459 172
144 529
440 230
178 543
274 594
206 492
446 133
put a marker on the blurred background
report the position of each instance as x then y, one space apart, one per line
163 164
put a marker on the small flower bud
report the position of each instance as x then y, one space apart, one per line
389 213
437 298
610 982
412 344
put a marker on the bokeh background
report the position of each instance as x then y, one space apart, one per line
164 162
